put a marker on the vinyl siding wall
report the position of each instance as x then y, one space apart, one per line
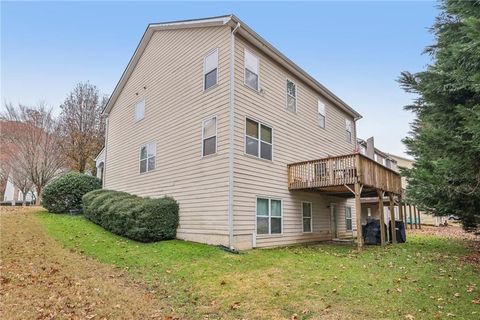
296 137
171 69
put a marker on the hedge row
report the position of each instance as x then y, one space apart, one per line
65 192
137 218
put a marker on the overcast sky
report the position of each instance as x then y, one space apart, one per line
356 49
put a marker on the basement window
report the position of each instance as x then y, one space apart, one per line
307 217
348 218
269 216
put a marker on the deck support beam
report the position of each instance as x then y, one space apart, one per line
392 219
405 216
410 215
382 216
415 216
400 208
358 214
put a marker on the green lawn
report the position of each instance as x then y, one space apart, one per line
422 278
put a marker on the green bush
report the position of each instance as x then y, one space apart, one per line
137 218
65 192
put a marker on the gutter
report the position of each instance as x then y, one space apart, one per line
231 153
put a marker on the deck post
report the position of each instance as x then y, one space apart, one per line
415 216
382 217
419 221
405 215
400 209
410 215
392 219
358 214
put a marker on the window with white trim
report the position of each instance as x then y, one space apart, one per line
291 96
210 70
209 136
348 129
269 216
251 70
140 110
307 216
258 139
321 114
348 218
147 157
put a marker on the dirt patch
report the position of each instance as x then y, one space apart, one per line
451 231
456 232
39 279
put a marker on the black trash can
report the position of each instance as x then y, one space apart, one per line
399 230
371 231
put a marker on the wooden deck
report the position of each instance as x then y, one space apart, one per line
338 175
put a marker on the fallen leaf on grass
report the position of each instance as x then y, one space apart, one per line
409 317
456 295
476 301
235 306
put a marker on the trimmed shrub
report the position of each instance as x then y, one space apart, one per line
65 192
137 218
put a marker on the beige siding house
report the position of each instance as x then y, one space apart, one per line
210 113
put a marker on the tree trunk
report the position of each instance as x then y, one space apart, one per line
24 202
39 195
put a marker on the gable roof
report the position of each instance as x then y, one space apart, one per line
244 31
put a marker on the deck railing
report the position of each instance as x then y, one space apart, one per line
342 170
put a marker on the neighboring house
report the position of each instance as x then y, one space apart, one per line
13 196
248 143
10 194
425 218
100 164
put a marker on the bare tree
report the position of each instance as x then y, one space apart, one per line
34 144
82 126
17 174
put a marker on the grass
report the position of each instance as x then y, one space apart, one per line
420 279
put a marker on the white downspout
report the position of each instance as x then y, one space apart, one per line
105 156
231 129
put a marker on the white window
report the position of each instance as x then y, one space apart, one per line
210 70
291 96
251 70
147 157
209 136
140 110
307 216
348 128
348 218
269 216
321 114
258 139
363 150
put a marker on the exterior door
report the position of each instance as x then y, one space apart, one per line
334 220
